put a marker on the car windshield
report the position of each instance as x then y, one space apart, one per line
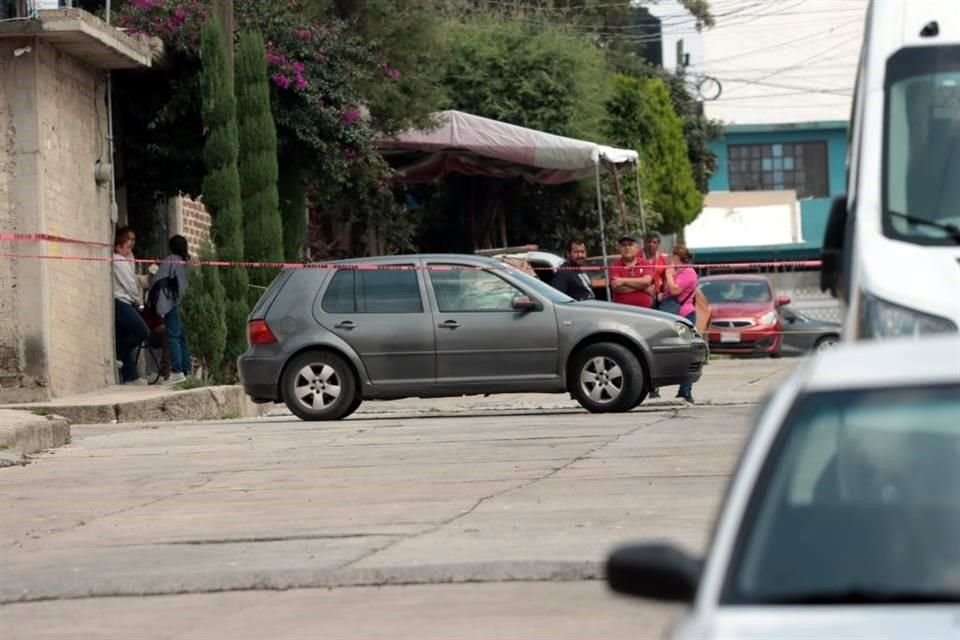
538 286
726 291
858 501
921 141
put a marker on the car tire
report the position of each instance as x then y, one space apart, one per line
606 378
826 342
319 385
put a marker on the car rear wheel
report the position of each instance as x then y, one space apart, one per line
825 343
320 386
606 378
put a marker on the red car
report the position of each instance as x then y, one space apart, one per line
745 315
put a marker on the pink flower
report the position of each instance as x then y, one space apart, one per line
304 34
281 81
301 82
351 116
145 4
298 67
275 58
394 73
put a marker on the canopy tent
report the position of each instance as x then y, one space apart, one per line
472 145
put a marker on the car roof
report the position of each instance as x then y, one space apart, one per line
886 363
465 258
750 277
895 25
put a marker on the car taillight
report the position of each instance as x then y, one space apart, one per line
258 332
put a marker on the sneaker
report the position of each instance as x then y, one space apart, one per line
175 378
135 382
687 397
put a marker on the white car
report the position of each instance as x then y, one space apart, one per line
843 517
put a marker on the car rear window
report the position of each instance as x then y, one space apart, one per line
394 290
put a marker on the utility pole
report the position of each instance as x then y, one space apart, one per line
224 11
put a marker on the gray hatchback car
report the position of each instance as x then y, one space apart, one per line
324 339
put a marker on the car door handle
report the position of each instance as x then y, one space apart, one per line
449 324
346 324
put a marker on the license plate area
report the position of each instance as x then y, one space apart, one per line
729 336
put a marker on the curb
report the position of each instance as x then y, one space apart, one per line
204 403
24 433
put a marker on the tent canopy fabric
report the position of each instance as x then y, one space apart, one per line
472 145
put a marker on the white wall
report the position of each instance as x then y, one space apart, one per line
783 60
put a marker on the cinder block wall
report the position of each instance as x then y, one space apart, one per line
56 337
73 125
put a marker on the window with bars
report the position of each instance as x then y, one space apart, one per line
775 167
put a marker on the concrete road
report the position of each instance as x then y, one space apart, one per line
391 525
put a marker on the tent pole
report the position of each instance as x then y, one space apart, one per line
643 215
603 235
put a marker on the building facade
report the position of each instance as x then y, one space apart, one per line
808 159
56 297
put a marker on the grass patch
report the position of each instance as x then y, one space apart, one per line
3 447
41 412
189 383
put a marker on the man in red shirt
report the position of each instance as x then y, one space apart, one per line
631 279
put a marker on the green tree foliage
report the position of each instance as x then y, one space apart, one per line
204 309
293 206
641 116
221 183
262 228
540 78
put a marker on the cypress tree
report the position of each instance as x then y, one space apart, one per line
204 309
293 208
221 184
262 227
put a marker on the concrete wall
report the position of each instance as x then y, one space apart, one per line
61 337
73 127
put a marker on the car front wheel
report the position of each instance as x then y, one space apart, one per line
606 378
319 386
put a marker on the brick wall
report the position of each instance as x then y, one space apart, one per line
72 128
190 219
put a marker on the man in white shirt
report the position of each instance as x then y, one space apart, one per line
131 330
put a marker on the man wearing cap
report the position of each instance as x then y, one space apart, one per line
631 280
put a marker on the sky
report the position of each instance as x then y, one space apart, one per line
780 61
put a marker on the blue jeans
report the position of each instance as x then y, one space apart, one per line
176 343
687 389
131 330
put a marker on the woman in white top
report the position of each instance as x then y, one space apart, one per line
131 330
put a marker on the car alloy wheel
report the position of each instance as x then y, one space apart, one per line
602 380
317 386
606 378
826 343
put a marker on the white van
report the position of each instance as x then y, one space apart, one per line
892 244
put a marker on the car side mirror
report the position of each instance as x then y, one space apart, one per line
783 301
831 255
656 571
524 303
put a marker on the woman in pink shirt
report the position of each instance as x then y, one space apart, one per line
679 296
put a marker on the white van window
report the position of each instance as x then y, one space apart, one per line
922 145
